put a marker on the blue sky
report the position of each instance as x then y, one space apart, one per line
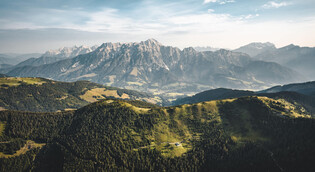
38 25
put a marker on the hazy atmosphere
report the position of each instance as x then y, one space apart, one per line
39 25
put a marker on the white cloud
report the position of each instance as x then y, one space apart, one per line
210 10
208 1
272 4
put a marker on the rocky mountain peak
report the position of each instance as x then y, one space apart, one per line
109 46
260 45
288 47
151 42
68 52
189 50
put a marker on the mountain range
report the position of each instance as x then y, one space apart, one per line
149 66
300 59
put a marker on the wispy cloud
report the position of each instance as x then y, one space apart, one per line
273 4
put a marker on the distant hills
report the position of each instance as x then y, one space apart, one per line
300 93
43 95
307 88
149 66
215 94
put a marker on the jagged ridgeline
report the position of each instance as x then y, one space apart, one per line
241 134
43 95
152 67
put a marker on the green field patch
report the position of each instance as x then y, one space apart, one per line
16 81
135 108
96 94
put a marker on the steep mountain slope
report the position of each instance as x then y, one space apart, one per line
256 48
43 95
152 67
52 56
301 59
245 134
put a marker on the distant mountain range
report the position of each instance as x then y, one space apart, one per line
11 59
300 59
256 48
52 56
150 66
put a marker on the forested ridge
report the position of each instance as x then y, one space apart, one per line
43 95
242 134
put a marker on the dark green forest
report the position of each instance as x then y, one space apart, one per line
244 134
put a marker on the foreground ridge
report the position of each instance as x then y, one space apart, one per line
133 135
